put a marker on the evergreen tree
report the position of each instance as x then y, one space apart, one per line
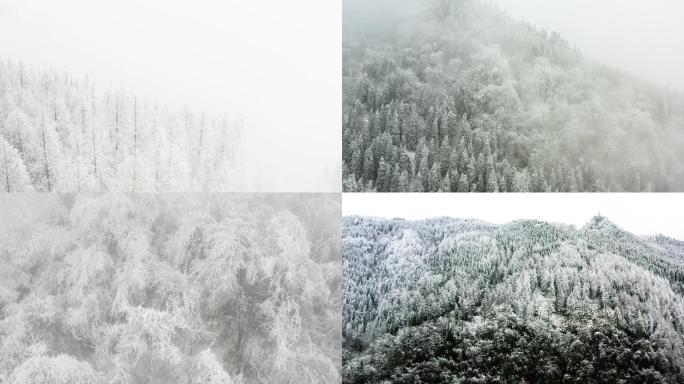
446 184
394 128
417 183
455 180
424 171
521 182
384 176
435 178
404 185
357 161
492 180
368 166
445 155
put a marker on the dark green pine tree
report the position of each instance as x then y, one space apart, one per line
492 181
463 184
454 178
435 178
417 183
480 172
404 160
412 129
368 165
444 155
374 125
384 180
396 175
425 172
394 128
403 185
356 161
446 184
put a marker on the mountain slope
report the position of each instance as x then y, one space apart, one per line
445 299
453 95
61 134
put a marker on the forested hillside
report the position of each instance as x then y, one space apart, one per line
163 289
454 301
454 95
63 133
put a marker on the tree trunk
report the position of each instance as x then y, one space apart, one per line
4 154
45 161
94 154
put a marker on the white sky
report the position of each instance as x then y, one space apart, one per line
275 63
639 213
645 38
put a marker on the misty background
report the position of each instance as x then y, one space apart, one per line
268 63
644 39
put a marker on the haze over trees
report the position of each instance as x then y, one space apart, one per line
455 96
462 301
119 288
59 133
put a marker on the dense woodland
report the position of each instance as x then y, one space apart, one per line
454 301
169 289
62 133
454 95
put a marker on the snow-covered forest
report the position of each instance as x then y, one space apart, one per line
454 95
65 133
462 301
119 288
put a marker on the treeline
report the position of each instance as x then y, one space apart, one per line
454 96
447 300
60 133
156 288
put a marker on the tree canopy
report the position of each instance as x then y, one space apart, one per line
169 288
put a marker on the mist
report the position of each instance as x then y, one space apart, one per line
267 63
511 97
644 39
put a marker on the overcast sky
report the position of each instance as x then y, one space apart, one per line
275 63
639 213
645 38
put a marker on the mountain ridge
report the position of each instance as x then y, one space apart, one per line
546 286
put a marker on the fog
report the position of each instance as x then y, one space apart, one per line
640 213
269 62
545 91
645 39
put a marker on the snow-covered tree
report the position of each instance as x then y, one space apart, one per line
196 288
73 137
